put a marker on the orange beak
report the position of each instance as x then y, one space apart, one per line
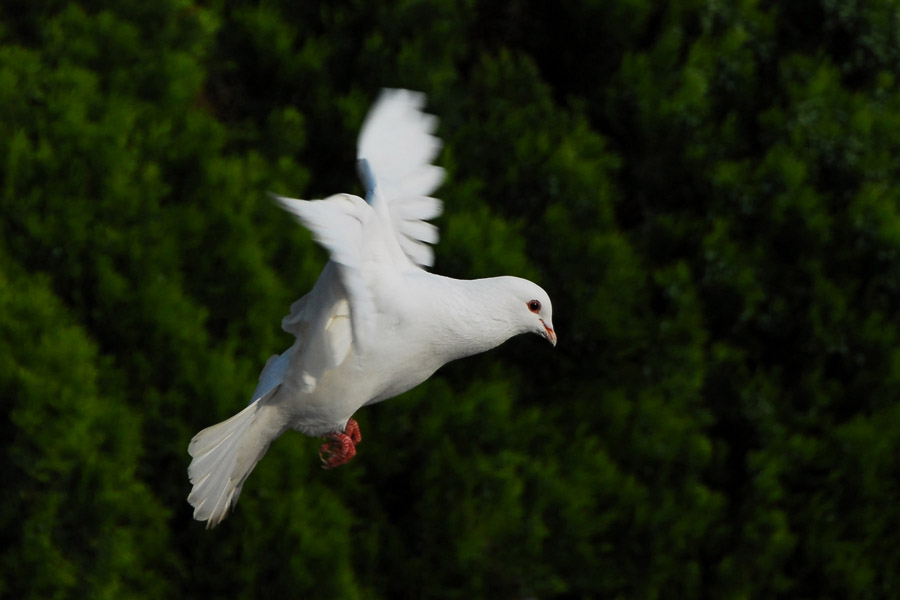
549 333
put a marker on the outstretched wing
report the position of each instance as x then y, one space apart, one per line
360 248
368 240
396 147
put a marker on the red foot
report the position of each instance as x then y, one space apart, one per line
352 429
341 446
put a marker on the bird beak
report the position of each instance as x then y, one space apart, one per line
549 333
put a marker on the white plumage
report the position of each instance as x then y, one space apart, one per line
375 324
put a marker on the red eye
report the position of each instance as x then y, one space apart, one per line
534 306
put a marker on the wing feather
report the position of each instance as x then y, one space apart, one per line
396 148
347 227
390 228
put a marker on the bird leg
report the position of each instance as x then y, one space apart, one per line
341 446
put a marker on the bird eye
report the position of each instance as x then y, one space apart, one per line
534 306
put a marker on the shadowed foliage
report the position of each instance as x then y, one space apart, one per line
709 191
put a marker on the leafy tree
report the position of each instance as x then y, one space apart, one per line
705 189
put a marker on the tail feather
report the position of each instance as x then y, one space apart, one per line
224 455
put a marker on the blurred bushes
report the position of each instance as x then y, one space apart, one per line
707 191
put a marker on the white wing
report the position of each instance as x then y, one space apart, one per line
396 147
321 322
369 239
360 248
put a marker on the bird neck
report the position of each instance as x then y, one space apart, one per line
472 316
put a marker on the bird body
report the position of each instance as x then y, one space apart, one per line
375 324
420 331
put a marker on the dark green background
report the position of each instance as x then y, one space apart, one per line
709 191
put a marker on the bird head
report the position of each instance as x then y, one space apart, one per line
532 308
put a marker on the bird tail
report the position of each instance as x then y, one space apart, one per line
224 455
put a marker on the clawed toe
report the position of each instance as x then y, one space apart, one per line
352 429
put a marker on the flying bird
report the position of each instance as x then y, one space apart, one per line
376 323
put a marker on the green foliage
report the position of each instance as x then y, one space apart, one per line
77 518
706 190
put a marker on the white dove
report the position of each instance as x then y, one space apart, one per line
375 324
